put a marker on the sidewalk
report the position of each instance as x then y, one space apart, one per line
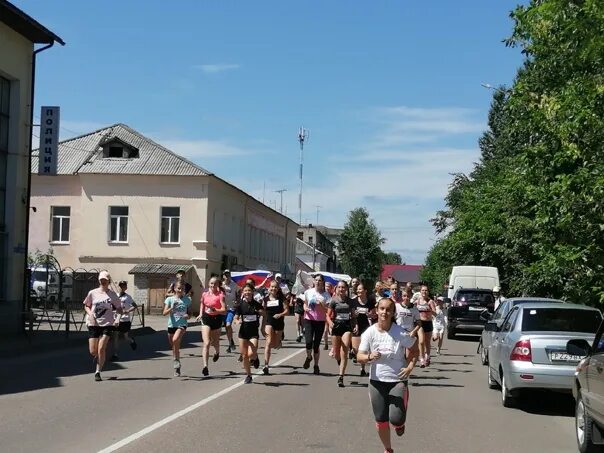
46 340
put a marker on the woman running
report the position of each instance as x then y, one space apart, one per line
100 305
427 310
315 307
275 309
211 310
384 345
247 313
364 309
329 289
125 319
299 314
177 306
440 323
340 320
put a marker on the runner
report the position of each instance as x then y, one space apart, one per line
230 289
211 310
427 310
299 314
384 345
340 320
100 304
125 320
177 306
315 303
327 331
440 323
378 290
407 316
247 313
364 309
282 285
354 284
275 309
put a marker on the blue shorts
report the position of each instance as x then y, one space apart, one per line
230 315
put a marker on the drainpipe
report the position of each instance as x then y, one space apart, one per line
27 199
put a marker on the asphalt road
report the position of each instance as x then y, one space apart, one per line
50 402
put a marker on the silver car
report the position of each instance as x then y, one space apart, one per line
495 320
529 349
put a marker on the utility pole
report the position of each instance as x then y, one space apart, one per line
318 207
280 192
302 137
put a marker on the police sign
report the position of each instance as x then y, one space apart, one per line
49 140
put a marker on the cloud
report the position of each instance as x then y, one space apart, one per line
214 68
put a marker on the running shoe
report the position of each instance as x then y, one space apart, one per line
215 357
205 371
316 369
299 339
133 345
248 379
422 363
229 350
176 364
400 430
363 373
97 376
437 351
256 362
265 370
240 359
428 361
326 347
341 381
177 372
306 365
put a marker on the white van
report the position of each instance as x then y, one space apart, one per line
482 277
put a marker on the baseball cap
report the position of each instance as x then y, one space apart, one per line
496 289
226 271
104 275
122 283
278 275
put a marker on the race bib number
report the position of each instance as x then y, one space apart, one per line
362 310
343 316
209 310
272 303
250 318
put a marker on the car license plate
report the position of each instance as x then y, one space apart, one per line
472 308
564 357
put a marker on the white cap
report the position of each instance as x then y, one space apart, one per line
104 275
496 289
278 275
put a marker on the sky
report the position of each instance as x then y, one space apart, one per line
390 92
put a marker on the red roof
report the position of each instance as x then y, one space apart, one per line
402 273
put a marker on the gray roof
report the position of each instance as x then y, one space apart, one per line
162 269
83 154
26 25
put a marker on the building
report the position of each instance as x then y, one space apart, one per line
124 203
333 234
19 33
314 244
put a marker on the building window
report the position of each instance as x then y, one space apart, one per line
170 225
118 224
60 223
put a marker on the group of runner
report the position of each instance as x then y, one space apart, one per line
390 328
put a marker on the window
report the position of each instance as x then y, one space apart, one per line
116 151
118 219
170 225
501 311
510 320
60 223
560 320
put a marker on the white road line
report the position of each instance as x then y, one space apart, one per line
171 418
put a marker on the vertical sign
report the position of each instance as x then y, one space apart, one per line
49 141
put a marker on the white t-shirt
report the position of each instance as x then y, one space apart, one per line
103 305
392 346
407 317
230 294
127 304
440 319
284 288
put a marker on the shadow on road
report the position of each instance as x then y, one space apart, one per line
417 384
282 384
436 378
436 361
470 338
547 403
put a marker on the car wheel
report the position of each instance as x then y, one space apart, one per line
491 382
506 397
451 334
584 428
484 355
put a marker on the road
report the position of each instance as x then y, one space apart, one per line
51 403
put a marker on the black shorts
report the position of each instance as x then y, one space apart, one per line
427 326
124 326
340 328
299 311
249 330
213 322
276 324
172 330
98 331
361 327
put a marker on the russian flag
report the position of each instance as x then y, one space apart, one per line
258 276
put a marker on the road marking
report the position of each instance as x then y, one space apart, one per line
176 415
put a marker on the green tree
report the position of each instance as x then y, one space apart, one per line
360 245
391 258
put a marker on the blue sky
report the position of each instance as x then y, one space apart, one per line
390 91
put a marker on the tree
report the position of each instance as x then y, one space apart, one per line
391 258
360 245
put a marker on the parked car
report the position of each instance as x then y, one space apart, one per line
529 351
465 309
495 320
588 390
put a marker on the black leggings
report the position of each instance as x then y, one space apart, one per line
313 334
389 401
